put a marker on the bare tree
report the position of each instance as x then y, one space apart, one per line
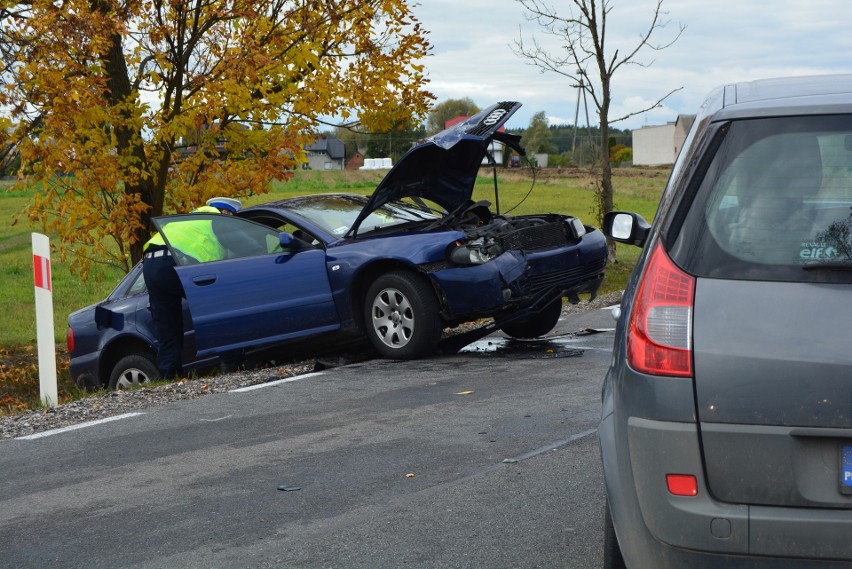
581 30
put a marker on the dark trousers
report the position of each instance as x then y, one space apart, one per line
165 293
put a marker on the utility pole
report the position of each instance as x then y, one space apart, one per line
576 114
581 85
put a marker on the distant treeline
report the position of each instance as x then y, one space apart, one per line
562 136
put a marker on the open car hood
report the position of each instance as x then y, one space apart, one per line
443 167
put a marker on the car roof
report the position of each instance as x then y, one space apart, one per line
805 95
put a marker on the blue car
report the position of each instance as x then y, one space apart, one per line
399 266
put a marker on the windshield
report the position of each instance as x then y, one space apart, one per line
336 214
775 203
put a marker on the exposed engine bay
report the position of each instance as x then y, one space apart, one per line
490 235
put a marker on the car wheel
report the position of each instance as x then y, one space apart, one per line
536 325
612 551
132 371
401 316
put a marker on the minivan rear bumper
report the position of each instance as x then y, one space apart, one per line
658 529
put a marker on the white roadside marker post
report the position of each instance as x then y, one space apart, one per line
44 320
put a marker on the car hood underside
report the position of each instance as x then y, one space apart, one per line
443 168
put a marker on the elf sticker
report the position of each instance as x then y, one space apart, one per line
817 252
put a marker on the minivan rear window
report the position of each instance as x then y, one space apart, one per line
774 203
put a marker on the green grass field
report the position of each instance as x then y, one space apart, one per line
569 191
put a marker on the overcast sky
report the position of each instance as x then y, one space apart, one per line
724 41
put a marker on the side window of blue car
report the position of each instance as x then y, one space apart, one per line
241 238
197 238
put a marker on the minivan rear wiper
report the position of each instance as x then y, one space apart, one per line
828 266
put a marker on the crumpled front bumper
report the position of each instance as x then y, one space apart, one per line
516 280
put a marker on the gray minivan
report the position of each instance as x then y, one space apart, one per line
726 431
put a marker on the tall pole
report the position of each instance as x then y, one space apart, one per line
588 123
581 85
576 117
44 320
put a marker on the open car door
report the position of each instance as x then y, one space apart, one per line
244 289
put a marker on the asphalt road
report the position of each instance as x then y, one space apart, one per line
488 458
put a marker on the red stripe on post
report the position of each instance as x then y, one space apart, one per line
37 271
41 272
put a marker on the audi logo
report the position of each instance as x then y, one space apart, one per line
494 117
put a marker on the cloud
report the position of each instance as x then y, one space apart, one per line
724 41
556 121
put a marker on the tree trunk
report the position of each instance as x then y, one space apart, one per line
129 143
606 192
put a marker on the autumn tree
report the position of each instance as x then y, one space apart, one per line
580 28
449 109
123 110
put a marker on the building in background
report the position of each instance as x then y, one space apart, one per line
326 153
660 145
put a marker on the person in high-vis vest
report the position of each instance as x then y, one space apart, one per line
197 241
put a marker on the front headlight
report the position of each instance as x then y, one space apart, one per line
576 227
473 253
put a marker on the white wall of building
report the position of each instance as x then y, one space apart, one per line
320 161
654 145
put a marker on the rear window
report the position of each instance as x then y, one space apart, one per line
774 203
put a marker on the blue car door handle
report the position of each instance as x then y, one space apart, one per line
204 280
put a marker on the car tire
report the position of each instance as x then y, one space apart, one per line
612 551
536 325
402 317
132 371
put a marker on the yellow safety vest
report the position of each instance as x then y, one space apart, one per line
194 238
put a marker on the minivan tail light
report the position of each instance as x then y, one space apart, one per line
659 341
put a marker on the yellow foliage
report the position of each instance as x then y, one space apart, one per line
124 111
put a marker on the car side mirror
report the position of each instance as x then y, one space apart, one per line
626 227
289 246
286 240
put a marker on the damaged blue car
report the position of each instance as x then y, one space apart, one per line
400 266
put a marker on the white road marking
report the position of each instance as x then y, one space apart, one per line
276 382
75 427
129 415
